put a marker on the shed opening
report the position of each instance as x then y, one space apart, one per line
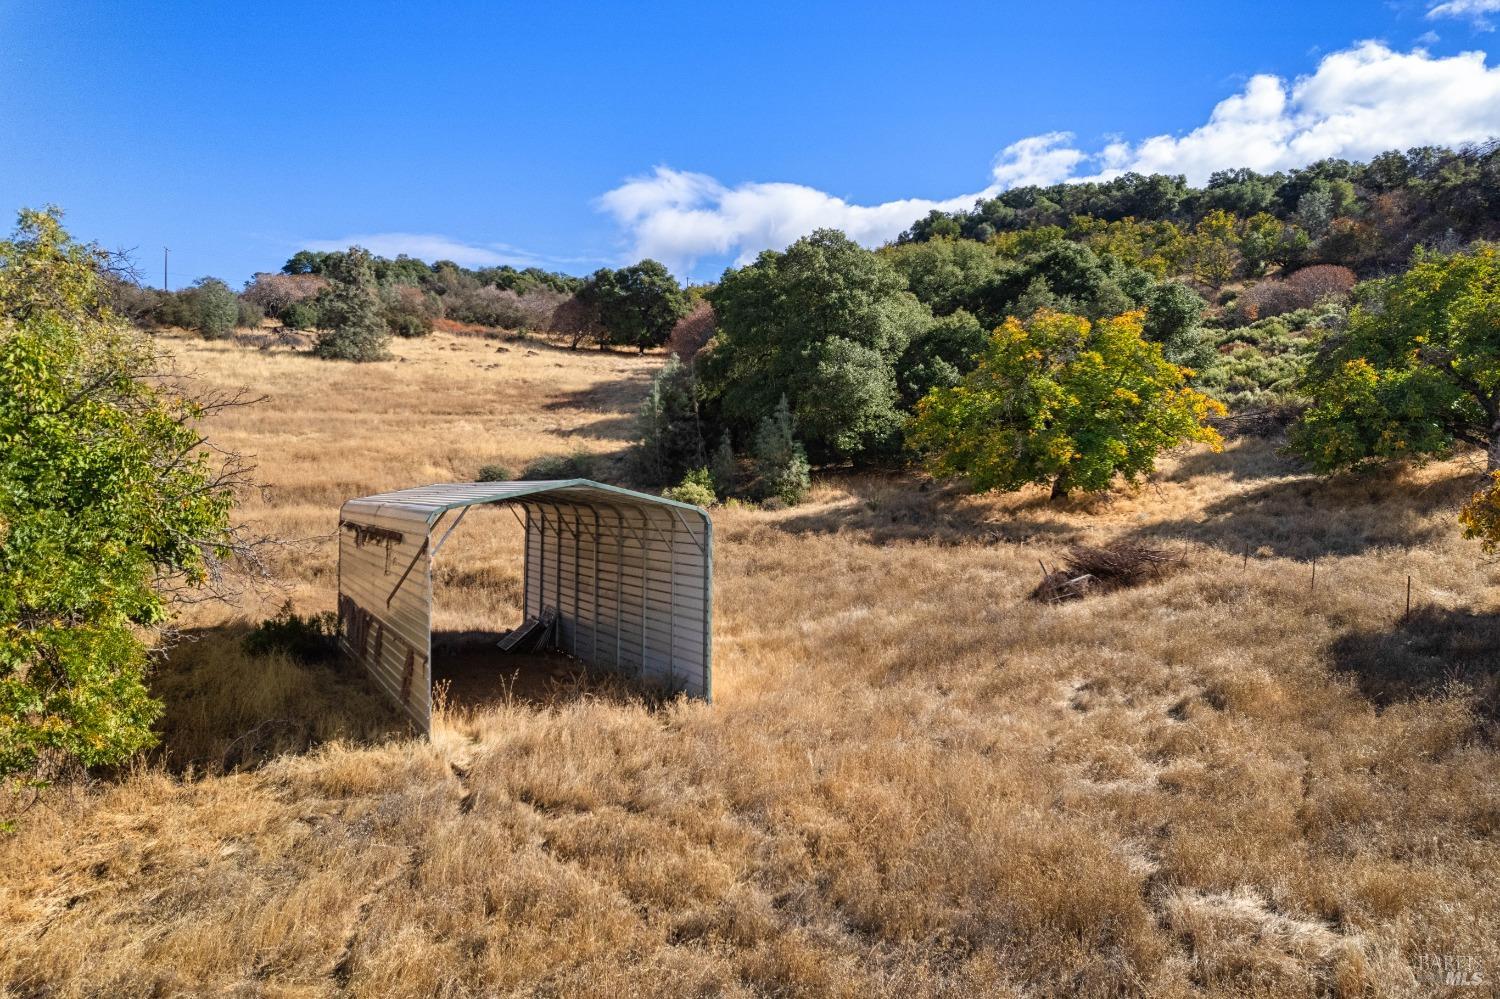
620 580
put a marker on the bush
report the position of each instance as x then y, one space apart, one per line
494 473
300 316
313 638
106 498
250 315
578 465
724 467
214 308
696 487
781 464
1304 289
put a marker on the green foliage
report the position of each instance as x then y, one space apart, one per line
214 307
696 487
939 356
724 467
1173 319
313 638
105 499
300 316
248 314
1417 371
669 435
823 325
1063 400
637 305
578 465
1263 364
494 473
407 313
1480 516
781 467
350 312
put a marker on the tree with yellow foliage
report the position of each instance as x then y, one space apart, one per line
1063 401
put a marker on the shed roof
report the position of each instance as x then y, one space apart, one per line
429 502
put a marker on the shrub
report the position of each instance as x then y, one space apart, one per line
1304 289
578 465
781 464
724 467
300 316
249 315
696 487
214 308
350 310
494 473
313 638
106 500
406 311
670 440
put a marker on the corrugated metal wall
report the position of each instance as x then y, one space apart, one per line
631 587
630 577
383 627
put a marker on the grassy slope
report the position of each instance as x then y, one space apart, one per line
912 781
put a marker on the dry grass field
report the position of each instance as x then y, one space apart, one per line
913 780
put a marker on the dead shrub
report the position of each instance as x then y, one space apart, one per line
692 332
1089 569
1302 289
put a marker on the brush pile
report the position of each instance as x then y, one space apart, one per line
1089 569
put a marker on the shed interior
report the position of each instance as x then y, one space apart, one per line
619 581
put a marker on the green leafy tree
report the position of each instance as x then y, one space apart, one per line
107 500
1065 401
215 308
1417 370
670 435
822 324
1213 249
939 356
1174 314
349 309
637 305
781 465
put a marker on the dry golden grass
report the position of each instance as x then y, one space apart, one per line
913 780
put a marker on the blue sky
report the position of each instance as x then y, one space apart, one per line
574 135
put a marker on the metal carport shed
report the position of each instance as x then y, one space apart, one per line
627 576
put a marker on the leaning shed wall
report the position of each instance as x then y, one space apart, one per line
629 575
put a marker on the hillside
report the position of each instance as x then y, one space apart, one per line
913 781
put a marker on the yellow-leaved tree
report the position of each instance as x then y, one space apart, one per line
1063 401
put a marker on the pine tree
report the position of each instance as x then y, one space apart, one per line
350 311
780 461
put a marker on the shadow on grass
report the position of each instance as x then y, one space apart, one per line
1309 517
883 509
1427 655
227 709
470 673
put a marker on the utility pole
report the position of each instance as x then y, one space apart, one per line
164 252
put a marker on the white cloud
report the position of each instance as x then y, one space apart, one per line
1474 10
1356 103
430 247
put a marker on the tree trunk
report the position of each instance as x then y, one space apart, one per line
1492 453
1059 488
